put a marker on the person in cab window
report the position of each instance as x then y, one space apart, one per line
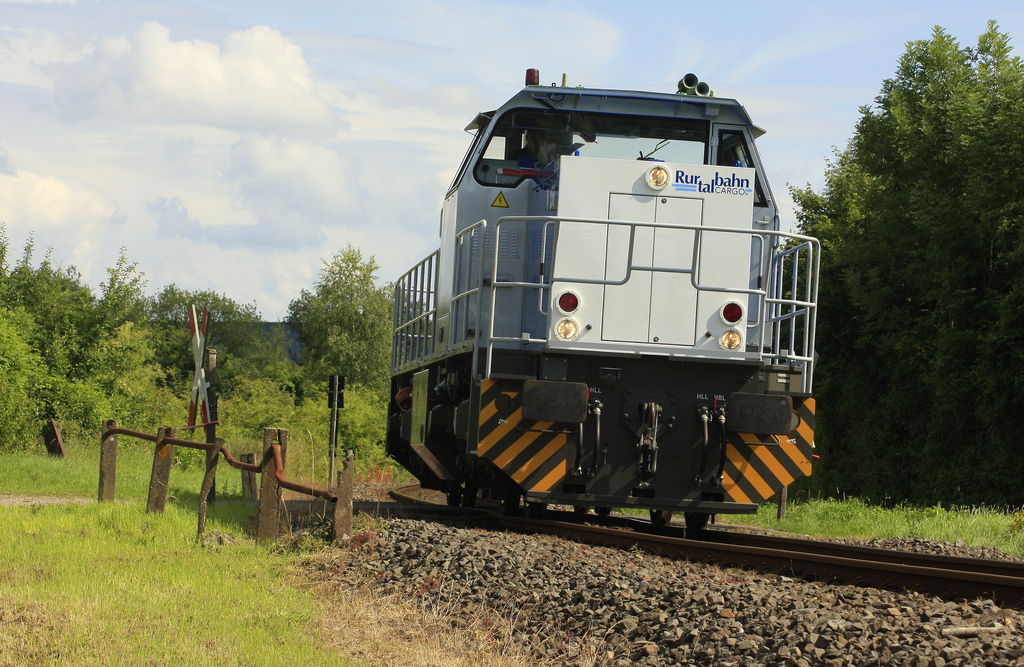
537 151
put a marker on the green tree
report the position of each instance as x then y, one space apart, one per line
922 293
246 346
19 366
345 323
123 298
73 358
61 309
124 372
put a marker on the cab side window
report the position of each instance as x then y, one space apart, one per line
733 152
500 164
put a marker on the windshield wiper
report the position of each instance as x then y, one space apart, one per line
661 144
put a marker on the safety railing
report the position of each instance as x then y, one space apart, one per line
415 315
275 441
469 277
792 306
785 303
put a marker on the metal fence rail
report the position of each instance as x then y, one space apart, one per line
273 440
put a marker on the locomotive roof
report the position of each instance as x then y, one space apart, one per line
620 101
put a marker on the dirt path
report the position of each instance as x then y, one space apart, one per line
21 500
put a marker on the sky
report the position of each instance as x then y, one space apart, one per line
237 146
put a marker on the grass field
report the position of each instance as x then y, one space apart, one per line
109 584
999 528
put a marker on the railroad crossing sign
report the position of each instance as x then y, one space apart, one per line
199 383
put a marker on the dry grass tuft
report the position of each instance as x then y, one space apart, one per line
366 625
387 630
28 630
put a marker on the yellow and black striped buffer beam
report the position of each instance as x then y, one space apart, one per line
759 465
533 453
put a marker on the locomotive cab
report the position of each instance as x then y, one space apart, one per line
613 317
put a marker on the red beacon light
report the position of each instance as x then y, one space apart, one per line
533 77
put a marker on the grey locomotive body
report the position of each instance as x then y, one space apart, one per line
613 317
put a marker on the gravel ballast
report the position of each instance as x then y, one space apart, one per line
576 604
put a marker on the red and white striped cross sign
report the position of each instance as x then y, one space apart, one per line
199 383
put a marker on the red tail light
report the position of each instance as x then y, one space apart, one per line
732 312
568 302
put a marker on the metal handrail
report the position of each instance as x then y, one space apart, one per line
405 323
414 288
773 309
809 304
478 290
806 307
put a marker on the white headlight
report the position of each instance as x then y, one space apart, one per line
731 340
657 177
567 329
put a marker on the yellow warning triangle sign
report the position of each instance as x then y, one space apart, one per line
500 201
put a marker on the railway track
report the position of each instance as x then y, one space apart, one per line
944 576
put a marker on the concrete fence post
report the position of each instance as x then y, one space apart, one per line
268 523
108 461
163 457
781 513
250 487
342 524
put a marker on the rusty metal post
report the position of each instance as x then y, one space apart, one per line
163 457
206 493
270 492
108 461
782 504
343 506
282 438
211 430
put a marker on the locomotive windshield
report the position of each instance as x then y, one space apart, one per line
525 140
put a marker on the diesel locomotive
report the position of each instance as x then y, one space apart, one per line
613 318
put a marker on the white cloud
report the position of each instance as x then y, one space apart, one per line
64 213
280 178
257 78
26 55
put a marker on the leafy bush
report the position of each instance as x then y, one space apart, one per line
253 405
922 284
361 423
132 386
19 418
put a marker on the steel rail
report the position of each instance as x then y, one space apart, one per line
940 561
940 581
943 576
